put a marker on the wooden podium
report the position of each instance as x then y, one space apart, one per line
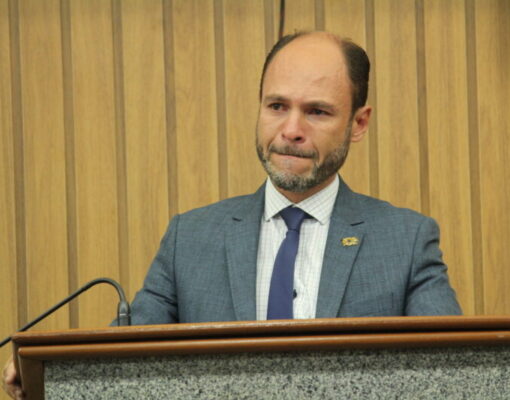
394 358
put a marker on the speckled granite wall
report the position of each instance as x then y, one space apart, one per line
376 374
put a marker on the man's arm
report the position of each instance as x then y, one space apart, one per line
429 291
156 302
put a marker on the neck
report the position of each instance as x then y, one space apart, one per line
297 197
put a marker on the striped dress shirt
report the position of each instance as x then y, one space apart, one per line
312 243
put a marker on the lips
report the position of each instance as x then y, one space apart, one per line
292 152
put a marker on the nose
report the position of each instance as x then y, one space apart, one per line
293 127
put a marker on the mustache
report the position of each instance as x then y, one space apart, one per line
292 151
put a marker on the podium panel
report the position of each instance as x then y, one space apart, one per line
447 373
351 358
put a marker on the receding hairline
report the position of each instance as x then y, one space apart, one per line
336 39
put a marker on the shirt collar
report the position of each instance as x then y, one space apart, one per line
319 206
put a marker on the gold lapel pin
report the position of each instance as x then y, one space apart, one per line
350 241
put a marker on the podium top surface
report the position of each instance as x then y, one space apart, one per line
452 327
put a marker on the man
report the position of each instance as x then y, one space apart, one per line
350 256
357 256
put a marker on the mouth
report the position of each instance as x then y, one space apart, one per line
292 152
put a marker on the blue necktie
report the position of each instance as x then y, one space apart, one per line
281 291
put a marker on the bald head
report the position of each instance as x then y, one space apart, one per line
352 58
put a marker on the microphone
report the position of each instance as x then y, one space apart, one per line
123 310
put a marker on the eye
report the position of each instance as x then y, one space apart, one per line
276 106
317 111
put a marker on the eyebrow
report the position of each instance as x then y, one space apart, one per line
321 105
312 104
275 97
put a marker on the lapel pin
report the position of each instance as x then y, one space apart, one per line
350 241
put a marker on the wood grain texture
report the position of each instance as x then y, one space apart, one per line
277 335
8 286
244 55
268 345
95 156
493 64
347 18
397 106
44 155
239 329
195 102
448 141
32 377
145 134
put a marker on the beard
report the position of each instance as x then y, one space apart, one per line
299 183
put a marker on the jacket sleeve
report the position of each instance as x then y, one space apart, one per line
429 291
156 302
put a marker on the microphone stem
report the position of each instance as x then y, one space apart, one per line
67 300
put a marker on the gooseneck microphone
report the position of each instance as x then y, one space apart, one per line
123 310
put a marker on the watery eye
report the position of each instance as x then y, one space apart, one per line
275 106
317 111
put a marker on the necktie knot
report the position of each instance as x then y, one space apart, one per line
293 217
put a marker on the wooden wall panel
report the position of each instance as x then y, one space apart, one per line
299 15
8 284
493 66
115 114
146 140
244 56
44 156
347 18
95 155
397 105
195 102
448 139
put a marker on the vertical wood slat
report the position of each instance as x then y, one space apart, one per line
270 24
44 154
195 99
170 111
493 61
397 111
95 162
244 55
8 285
446 74
145 124
18 162
120 142
373 143
474 159
347 18
68 94
422 109
221 111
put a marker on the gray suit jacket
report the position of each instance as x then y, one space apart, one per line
206 267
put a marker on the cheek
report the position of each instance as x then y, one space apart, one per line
266 131
328 141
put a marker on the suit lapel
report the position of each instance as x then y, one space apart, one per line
241 242
345 238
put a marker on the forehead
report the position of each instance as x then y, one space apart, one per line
309 67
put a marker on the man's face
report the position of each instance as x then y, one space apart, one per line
304 124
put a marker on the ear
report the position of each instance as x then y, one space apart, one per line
360 123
